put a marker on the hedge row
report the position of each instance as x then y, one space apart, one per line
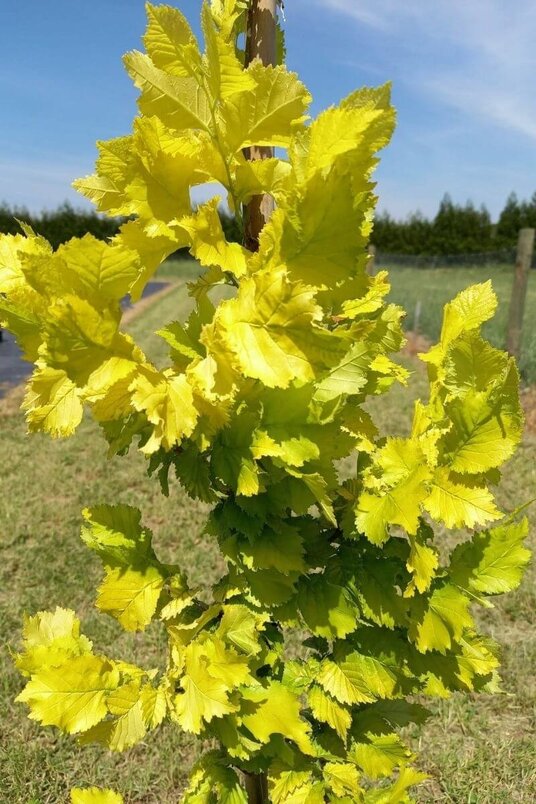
454 230
61 224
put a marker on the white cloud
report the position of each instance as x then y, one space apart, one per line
475 55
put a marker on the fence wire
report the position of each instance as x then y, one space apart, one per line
486 259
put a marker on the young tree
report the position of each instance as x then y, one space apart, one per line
444 227
510 222
473 229
263 396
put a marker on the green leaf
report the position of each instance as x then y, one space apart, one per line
440 619
212 780
483 434
349 377
384 717
269 329
379 755
377 594
168 403
169 41
327 609
280 549
399 505
268 588
175 100
241 627
267 114
276 710
355 678
134 578
459 505
342 778
211 673
50 638
493 561
328 710
52 403
193 471
408 777
72 696
423 559
232 455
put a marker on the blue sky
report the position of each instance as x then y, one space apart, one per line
463 74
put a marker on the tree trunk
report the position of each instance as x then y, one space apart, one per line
261 43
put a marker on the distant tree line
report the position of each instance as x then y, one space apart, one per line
456 228
59 225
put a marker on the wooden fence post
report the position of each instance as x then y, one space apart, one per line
261 43
525 251
417 317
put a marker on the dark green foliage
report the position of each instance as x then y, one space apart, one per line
230 227
59 225
455 229
459 230
516 215
65 222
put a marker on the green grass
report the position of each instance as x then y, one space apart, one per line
434 287
476 749
183 268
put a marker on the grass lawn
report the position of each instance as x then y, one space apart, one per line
476 749
185 269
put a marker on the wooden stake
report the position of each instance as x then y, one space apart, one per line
256 788
525 251
261 43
